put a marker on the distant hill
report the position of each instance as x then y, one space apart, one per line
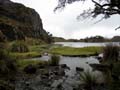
94 39
59 39
116 39
19 22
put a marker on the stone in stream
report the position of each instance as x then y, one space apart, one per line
79 69
65 66
100 67
56 83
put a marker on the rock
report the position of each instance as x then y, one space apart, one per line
65 66
57 83
61 72
100 67
79 69
30 69
98 57
115 77
56 72
19 22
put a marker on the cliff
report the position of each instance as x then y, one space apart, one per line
19 22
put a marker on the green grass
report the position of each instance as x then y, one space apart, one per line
76 51
23 63
25 55
35 51
41 48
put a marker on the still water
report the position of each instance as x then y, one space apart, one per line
73 62
85 44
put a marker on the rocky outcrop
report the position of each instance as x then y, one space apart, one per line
19 22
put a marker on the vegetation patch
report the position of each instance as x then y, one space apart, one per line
54 60
19 46
25 55
111 52
70 51
23 63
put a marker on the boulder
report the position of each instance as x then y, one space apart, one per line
30 69
65 66
100 67
79 69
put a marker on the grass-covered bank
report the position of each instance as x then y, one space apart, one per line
26 55
22 50
70 51
54 61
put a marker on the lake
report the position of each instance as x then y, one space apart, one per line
85 44
74 62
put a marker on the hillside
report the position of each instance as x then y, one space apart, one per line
20 22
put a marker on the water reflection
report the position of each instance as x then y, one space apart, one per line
85 44
73 62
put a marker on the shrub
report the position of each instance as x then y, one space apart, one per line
111 52
89 80
19 46
7 71
4 85
7 65
54 60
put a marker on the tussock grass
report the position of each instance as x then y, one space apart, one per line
54 61
89 80
111 52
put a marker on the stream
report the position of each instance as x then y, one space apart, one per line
71 78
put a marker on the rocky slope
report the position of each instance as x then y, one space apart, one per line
18 22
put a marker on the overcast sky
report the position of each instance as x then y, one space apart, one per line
64 23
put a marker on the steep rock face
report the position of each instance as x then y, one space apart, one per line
19 22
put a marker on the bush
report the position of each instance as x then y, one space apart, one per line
89 80
7 71
19 46
54 60
4 85
111 52
7 65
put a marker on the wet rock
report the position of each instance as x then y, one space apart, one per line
57 83
41 66
64 66
30 69
98 57
115 77
56 72
100 67
79 69
62 72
